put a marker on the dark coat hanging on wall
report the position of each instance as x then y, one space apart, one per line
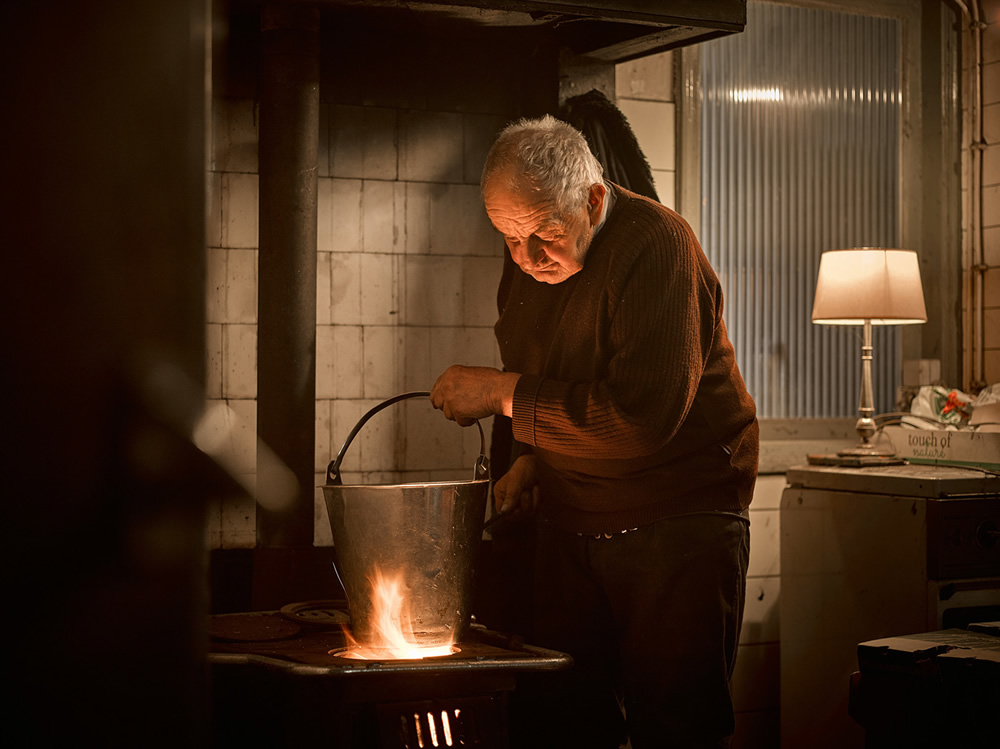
611 140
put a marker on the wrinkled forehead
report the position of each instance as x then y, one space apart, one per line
517 209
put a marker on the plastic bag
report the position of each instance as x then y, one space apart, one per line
943 405
986 409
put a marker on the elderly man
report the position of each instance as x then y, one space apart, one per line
636 440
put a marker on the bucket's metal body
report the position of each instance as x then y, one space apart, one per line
425 534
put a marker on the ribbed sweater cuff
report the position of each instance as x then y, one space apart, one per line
523 408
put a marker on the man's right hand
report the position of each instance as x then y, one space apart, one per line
517 490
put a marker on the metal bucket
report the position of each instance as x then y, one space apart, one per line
427 534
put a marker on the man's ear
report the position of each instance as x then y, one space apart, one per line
595 202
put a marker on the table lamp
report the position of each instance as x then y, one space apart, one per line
868 286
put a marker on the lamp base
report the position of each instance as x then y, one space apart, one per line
866 451
860 459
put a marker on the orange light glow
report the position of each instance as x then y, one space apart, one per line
393 637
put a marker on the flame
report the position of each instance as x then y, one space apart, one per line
393 637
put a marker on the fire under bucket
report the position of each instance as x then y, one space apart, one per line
427 535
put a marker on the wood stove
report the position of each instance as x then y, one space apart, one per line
278 680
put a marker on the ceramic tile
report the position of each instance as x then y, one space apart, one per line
322 533
767 492
213 357
430 147
991 326
379 144
991 123
480 276
235 141
344 415
664 183
242 447
241 286
239 361
992 365
346 138
363 142
214 219
339 361
378 439
653 125
459 224
339 215
323 439
472 347
480 130
323 150
324 291
382 353
765 537
991 288
239 210
379 289
991 164
991 42
324 214
416 347
433 290
649 77
345 289
991 232
380 232
215 284
417 217
431 441
991 83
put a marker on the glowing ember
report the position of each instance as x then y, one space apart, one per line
393 637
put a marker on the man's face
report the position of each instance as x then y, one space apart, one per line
548 246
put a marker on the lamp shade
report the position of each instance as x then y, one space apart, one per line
879 285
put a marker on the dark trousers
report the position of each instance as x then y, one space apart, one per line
652 619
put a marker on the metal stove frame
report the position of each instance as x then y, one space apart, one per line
289 690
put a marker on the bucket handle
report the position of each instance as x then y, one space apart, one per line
482 468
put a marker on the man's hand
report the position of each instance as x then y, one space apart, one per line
465 394
517 490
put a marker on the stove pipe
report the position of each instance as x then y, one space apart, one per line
286 344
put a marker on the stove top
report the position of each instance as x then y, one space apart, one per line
303 638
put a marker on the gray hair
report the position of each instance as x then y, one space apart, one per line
547 155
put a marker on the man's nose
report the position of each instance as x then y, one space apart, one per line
530 253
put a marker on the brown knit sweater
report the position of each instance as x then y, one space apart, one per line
630 395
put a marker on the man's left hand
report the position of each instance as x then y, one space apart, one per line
465 394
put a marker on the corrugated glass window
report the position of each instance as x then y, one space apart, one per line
800 154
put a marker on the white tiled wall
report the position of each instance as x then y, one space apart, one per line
407 269
645 95
231 303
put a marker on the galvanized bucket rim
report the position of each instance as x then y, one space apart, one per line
406 485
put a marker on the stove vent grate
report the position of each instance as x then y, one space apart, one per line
438 724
